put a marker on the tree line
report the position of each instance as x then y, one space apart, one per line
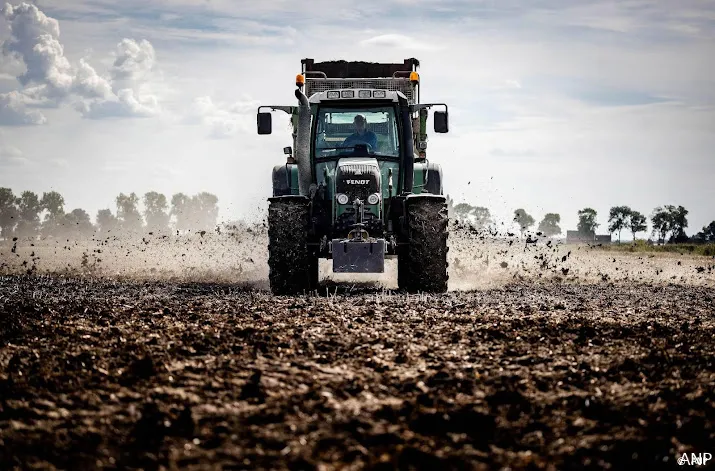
29 215
668 222
481 218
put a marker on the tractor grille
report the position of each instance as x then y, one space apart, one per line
358 169
349 174
397 84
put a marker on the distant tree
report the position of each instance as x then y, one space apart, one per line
196 212
670 219
155 206
707 234
29 208
524 220
679 221
478 216
206 208
482 217
181 211
587 222
661 222
53 203
463 211
129 217
106 221
8 212
637 223
619 218
77 223
549 226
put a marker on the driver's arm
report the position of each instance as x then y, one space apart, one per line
373 141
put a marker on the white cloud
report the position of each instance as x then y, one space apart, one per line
125 104
133 64
398 41
50 79
512 83
10 151
11 156
88 84
35 39
14 112
224 120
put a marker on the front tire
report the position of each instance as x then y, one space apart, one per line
422 262
293 265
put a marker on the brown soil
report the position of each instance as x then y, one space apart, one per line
534 374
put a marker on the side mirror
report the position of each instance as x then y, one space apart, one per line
440 122
264 123
288 150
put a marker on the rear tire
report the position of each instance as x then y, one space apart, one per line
422 262
292 264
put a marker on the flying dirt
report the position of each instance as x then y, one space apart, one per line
170 351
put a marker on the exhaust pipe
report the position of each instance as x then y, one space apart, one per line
408 143
302 145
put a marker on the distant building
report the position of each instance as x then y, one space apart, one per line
576 237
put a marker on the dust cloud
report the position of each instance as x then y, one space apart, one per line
238 255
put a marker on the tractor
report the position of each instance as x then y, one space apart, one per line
356 187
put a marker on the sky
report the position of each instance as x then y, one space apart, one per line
554 105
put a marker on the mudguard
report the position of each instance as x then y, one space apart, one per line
434 179
290 198
285 180
428 178
422 196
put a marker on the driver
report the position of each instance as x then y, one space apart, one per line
361 135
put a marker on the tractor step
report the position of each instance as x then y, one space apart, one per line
350 256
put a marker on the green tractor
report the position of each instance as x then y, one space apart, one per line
358 189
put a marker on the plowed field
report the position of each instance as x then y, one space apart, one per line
539 357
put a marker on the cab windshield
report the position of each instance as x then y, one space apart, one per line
340 130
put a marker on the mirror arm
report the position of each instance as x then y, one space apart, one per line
419 106
287 109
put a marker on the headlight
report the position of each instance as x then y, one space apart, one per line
379 94
373 199
364 94
347 93
342 198
333 94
